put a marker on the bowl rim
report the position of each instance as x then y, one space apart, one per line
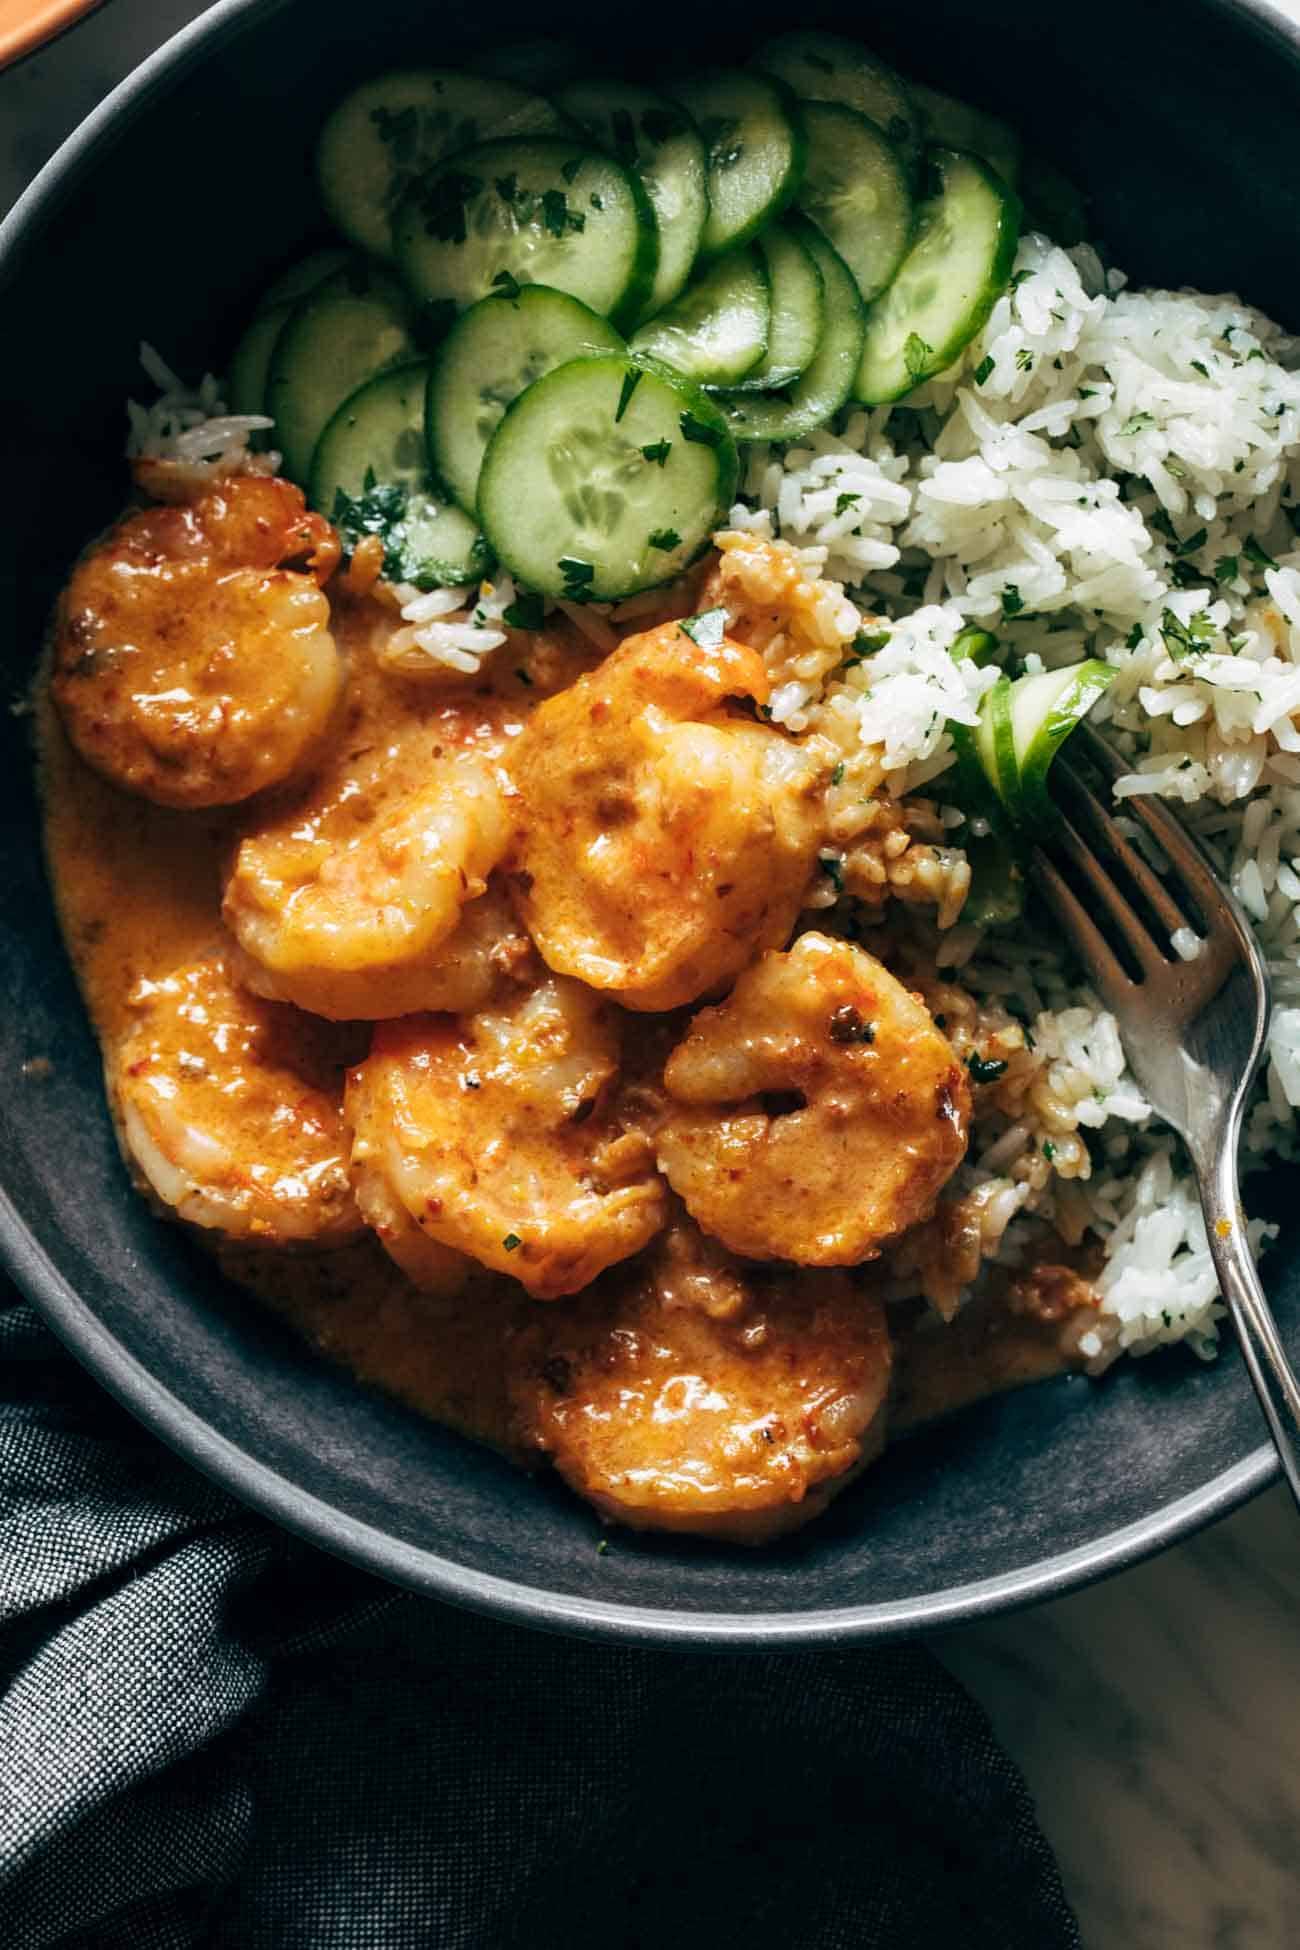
421 1568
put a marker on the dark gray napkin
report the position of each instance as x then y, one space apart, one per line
211 1734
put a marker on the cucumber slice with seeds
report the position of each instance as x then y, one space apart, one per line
390 130
250 362
946 286
652 135
605 478
350 328
491 355
371 476
717 331
950 124
798 307
754 147
820 391
828 68
856 189
545 211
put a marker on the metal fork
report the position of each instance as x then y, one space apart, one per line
1193 1031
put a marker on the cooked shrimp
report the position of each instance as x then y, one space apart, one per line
817 1113
345 911
231 1109
663 839
427 1264
192 665
499 1135
694 1393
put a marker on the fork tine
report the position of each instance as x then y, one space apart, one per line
1111 906
1098 826
1220 911
1179 848
1102 963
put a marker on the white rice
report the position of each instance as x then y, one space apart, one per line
1103 473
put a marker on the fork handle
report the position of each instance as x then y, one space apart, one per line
1261 1345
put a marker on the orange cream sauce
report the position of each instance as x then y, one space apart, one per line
138 891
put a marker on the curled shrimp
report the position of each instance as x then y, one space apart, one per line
192 664
353 905
692 1392
815 1114
499 1136
663 838
231 1109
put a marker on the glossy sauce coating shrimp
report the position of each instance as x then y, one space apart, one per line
663 838
344 910
499 1135
192 665
231 1109
690 1392
817 1112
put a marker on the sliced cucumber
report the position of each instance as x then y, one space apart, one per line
798 308
946 286
391 129
754 149
251 360
371 476
821 390
491 355
1044 709
605 478
956 125
303 275
855 188
717 331
1022 726
972 645
828 68
544 211
339 335
652 135
537 62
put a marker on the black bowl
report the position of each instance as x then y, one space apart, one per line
158 219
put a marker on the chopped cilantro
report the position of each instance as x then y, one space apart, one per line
837 776
1137 424
1186 639
382 509
602 1547
1019 279
1024 359
570 169
526 612
867 642
916 355
1049 1150
983 369
657 454
1256 555
596 200
1190 543
700 431
1204 370
984 1069
577 578
1163 525
511 1241
557 217
507 187
843 502
707 629
631 380
507 285
833 868
665 539
443 205
1012 600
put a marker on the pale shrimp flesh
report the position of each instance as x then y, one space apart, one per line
230 1109
815 1114
664 836
499 1134
193 664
